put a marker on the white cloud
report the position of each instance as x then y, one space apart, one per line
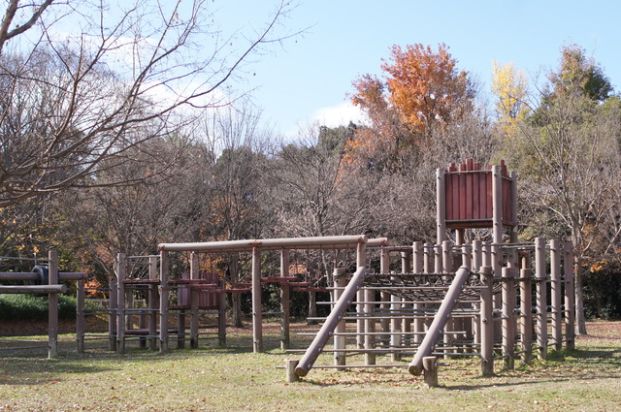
339 115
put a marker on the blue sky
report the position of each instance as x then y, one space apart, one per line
310 76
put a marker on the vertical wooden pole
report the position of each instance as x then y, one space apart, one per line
181 314
52 306
570 302
112 299
476 264
497 225
447 266
487 322
465 324
339 340
406 323
541 292
419 324
508 317
164 293
80 320
440 206
154 303
385 323
121 273
285 300
526 312
194 301
221 295
361 260
257 314
395 324
555 294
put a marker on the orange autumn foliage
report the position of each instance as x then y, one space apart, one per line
423 89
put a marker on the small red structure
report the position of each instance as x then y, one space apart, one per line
468 195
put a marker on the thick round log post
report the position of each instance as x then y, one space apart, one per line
221 317
508 317
153 303
497 226
541 292
428 258
181 315
476 264
555 294
440 206
112 300
447 266
419 324
164 293
570 297
487 322
52 307
430 371
290 365
121 273
257 314
406 323
285 300
340 282
385 323
194 301
361 260
80 320
526 312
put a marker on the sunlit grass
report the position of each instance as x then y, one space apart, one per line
233 378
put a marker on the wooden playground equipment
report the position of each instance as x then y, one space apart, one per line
471 296
49 282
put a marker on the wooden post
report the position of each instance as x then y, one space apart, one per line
290 365
555 294
497 225
121 273
440 206
526 312
52 307
194 301
112 299
570 302
154 303
386 323
80 320
222 317
181 314
447 266
487 322
476 262
419 324
312 306
406 323
361 260
257 314
164 293
508 317
541 291
430 371
340 282
395 324
285 300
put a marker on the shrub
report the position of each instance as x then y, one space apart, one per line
30 307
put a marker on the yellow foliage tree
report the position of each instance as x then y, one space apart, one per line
510 87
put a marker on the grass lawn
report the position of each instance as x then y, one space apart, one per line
233 378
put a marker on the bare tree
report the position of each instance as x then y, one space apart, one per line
71 101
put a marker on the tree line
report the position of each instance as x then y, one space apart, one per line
95 160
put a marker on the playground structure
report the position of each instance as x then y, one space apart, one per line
450 298
49 280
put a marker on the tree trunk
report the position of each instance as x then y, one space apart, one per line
580 327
